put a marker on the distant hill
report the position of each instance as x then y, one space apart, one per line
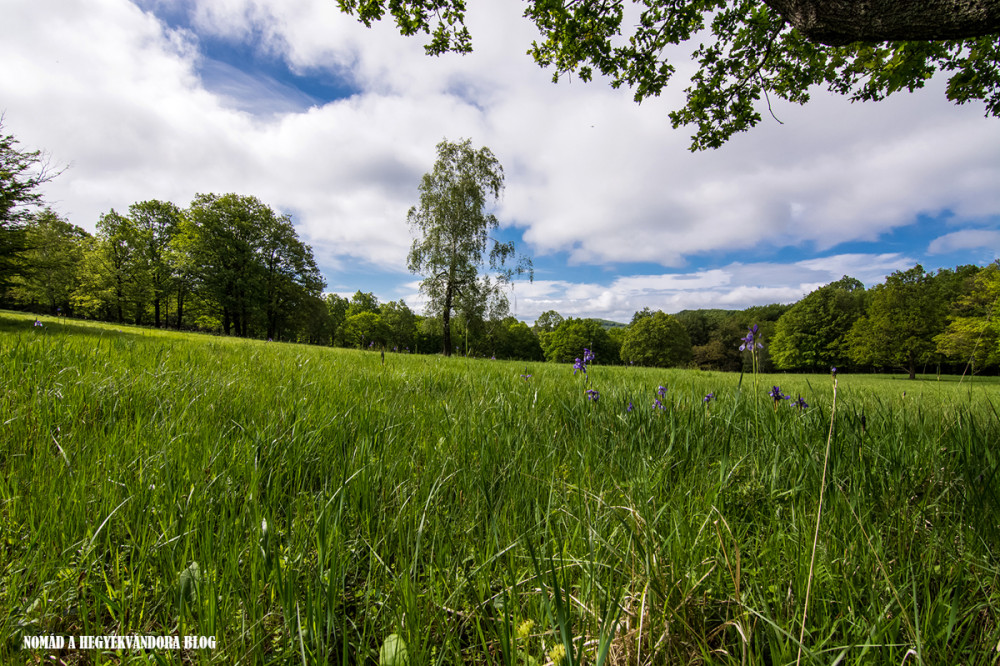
608 324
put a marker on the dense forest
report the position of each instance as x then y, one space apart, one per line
230 265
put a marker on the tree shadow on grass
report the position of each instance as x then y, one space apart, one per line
21 323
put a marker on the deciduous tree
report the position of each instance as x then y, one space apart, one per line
112 286
812 335
973 332
156 223
400 323
363 301
52 262
572 336
255 269
903 316
656 339
453 242
22 173
337 306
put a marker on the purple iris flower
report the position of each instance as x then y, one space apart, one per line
751 340
801 404
525 377
657 404
588 356
630 407
708 398
662 391
592 395
777 395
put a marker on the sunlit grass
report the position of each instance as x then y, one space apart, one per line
303 504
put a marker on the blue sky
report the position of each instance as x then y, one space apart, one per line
334 123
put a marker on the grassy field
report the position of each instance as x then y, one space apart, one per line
303 504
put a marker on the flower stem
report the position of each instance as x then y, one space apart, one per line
819 513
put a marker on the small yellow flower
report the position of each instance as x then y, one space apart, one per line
524 629
557 654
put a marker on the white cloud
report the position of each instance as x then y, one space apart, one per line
736 286
112 90
967 239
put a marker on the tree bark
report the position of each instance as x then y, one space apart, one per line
446 316
180 307
841 22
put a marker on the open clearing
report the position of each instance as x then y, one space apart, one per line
302 504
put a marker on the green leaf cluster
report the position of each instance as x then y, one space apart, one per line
746 52
901 319
656 340
812 335
453 245
572 336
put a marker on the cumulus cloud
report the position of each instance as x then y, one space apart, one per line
732 287
967 239
137 110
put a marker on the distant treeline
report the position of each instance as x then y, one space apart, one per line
230 265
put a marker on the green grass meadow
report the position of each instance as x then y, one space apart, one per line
302 504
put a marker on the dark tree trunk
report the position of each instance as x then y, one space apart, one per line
226 321
447 320
840 22
119 298
156 312
243 322
180 307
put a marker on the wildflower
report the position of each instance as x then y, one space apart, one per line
38 323
524 629
588 356
657 404
579 365
751 340
630 407
557 654
801 404
778 396
592 395
662 391
525 377
708 398
833 370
